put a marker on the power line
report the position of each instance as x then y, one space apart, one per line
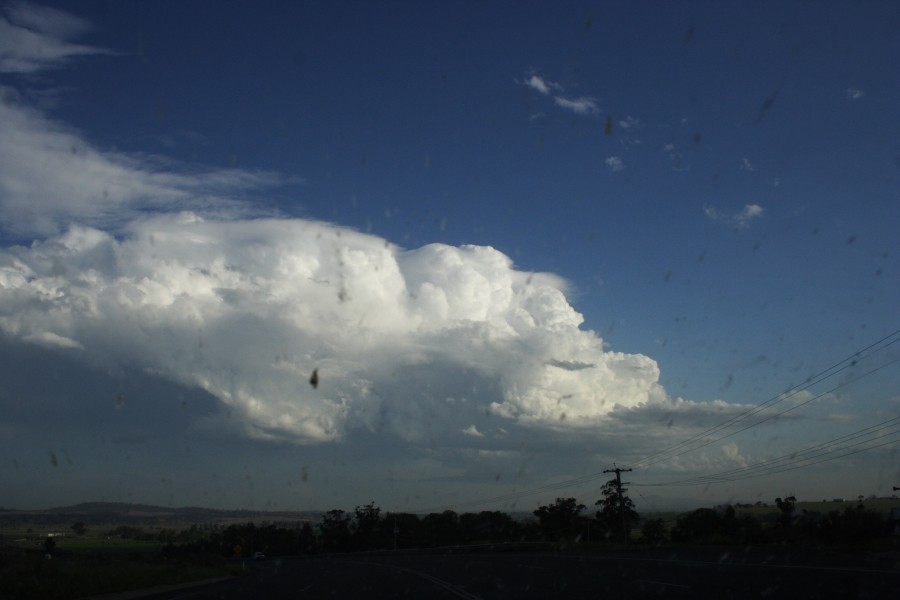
814 451
712 480
665 454
812 380
771 417
837 448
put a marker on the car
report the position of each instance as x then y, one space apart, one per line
259 556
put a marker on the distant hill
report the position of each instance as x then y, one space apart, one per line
144 514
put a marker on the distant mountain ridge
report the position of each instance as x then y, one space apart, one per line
146 514
127 508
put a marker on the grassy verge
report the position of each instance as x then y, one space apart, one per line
26 574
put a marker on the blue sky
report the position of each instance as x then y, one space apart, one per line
518 242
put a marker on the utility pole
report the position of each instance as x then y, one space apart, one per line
618 471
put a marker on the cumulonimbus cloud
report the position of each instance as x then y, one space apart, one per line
406 341
421 343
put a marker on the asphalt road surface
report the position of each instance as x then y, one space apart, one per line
501 576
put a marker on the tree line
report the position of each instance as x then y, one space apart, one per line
565 522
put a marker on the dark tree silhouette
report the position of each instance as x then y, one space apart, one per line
488 526
404 529
368 519
701 523
786 507
616 511
853 525
560 519
79 528
335 530
441 529
716 525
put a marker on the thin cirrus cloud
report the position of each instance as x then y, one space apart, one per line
35 38
42 162
50 176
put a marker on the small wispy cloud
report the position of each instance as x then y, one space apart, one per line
536 82
746 165
854 94
676 157
35 38
615 163
750 211
581 106
738 220
630 122
46 19
628 128
471 430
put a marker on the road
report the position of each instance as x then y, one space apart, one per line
508 576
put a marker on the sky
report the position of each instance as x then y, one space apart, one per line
464 255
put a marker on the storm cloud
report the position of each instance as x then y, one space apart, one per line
402 340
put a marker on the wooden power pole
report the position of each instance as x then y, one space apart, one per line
618 471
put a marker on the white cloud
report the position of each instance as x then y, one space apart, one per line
536 82
143 264
49 339
630 122
854 94
419 343
732 451
615 163
49 176
581 106
45 19
738 220
34 38
472 431
750 211
746 165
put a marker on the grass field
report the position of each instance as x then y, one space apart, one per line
90 565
